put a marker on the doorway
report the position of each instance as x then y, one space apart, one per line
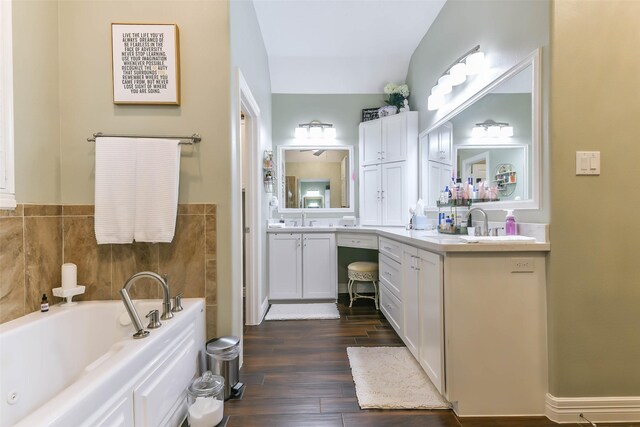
250 292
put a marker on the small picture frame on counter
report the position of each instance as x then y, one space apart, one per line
369 114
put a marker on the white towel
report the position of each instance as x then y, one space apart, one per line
115 190
156 188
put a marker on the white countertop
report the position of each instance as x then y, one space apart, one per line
429 240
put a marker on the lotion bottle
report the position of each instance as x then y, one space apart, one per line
510 224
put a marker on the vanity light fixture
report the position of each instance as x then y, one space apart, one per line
315 129
492 129
468 64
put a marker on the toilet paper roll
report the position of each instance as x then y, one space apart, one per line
69 275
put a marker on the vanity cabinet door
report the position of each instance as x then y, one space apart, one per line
319 266
285 266
431 313
394 138
370 142
370 195
441 144
410 300
393 194
446 144
439 176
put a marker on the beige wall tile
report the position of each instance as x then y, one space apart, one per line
212 321
191 209
43 259
11 268
93 260
78 210
131 259
212 236
37 239
212 281
42 210
18 211
183 259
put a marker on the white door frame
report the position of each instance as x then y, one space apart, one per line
253 205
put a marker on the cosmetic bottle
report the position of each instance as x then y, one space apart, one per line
44 304
510 224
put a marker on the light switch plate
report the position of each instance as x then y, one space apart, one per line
587 163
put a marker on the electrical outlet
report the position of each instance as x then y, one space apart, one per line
522 265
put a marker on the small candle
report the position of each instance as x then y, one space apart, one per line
69 276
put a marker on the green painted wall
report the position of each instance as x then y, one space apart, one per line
594 290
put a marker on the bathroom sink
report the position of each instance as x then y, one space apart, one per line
497 239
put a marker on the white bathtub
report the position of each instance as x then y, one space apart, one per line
79 366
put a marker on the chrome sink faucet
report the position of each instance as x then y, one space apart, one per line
133 314
304 218
485 229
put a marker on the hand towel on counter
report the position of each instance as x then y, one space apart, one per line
157 175
115 199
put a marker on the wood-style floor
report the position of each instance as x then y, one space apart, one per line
297 375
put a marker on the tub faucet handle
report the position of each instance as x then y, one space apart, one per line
154 319
177 303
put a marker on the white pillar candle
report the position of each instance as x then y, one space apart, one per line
69 276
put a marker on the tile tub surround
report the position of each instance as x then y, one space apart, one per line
35 240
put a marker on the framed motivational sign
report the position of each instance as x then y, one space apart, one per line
146 63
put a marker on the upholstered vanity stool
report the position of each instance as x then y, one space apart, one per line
362 271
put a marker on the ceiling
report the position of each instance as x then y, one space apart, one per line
341 46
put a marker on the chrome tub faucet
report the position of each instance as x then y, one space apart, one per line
133 314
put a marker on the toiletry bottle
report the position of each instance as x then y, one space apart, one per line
510 224
44 304
281 219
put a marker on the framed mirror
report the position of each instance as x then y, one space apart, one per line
493 137
315 179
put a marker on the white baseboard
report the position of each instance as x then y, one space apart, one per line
596 409
263 309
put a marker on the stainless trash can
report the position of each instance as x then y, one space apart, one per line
223 358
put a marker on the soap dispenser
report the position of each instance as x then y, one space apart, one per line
510 224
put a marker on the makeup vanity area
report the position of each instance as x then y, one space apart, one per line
472 314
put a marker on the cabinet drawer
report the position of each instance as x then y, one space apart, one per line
390 273
357 240
391 249
391 307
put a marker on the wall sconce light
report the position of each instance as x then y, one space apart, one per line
315 129
468 64
492 129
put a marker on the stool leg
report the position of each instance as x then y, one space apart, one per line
349 286
376 294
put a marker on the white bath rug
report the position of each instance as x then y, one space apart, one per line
302 311
390 378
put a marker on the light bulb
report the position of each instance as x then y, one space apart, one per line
458 74
478 132
315 132
506 131
435 101
330 133
474 62
301 133
444 85
493 131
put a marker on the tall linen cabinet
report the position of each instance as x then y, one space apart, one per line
388 158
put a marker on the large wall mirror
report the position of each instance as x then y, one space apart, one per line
494 137
315 179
